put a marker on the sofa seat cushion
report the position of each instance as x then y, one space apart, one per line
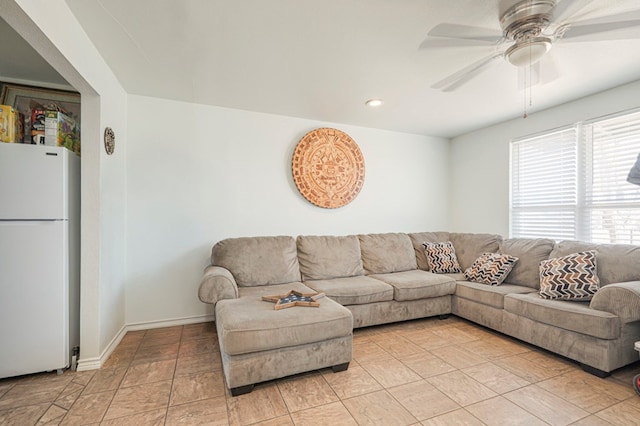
569 315
270 290
458 277
417 284
353 290
248 324
490 295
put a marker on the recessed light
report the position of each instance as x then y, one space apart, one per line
374 102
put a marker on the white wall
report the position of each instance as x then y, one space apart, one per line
479 170
197 174
52 30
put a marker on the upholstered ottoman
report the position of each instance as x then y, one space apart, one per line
259 343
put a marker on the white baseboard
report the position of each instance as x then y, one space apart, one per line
95 363
148 325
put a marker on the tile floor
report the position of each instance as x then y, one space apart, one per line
424 372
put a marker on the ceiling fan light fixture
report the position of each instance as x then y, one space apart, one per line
374 102
528 52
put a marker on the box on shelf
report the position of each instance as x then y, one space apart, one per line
37 126
7 124
19 127
61 130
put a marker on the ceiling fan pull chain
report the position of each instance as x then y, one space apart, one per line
527 85
531 80
524 115
524 94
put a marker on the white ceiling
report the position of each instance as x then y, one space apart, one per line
322 59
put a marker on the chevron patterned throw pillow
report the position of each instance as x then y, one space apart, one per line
490 268
441 258
571 277
473 272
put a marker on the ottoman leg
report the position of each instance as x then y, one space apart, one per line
241 390
340 367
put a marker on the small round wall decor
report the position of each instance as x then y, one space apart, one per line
328 168
109 140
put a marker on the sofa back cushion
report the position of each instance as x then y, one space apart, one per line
255 261
326 257
470 246
384 253
530 252
419 238
617 263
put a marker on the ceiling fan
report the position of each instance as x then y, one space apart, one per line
529 29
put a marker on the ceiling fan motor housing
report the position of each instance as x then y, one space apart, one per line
524 23
527 19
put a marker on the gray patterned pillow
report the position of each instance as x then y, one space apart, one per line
571 277
490 268
441 258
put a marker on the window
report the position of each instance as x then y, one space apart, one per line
571 183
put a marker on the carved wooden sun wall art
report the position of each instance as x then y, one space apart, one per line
328 168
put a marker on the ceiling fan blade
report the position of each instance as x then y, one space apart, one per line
487 35
462 76
566 9
575 32
439 42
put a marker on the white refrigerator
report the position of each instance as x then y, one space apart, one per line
39 258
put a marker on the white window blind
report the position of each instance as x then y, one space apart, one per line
612 205
544 185
571 183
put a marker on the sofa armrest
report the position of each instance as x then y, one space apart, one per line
217 284
621 299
